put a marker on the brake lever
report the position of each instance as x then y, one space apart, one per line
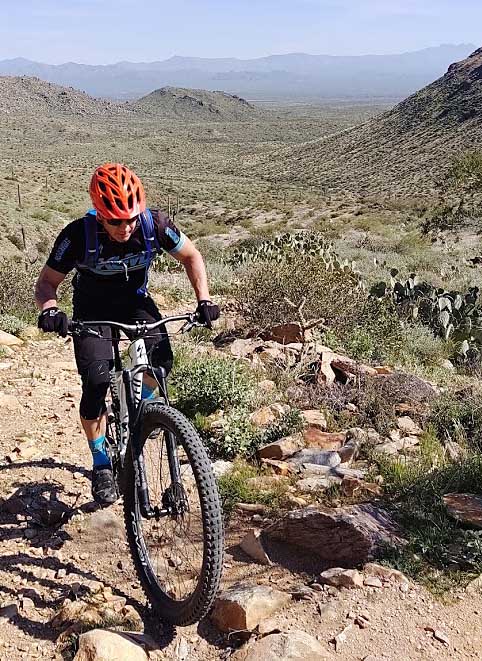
189 325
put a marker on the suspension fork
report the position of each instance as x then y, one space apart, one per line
171 446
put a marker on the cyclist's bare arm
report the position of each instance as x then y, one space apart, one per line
46 287
192 260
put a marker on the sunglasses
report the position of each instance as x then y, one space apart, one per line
115 222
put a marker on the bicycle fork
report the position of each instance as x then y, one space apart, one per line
173 502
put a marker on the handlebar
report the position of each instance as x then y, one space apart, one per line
140 328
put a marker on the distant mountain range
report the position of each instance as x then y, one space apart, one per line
276 77
402 151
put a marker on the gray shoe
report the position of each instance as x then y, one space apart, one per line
104 490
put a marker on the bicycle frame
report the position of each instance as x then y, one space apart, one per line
126 387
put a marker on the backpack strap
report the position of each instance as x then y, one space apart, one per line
152 245
91 239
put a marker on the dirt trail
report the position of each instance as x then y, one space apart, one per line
40 568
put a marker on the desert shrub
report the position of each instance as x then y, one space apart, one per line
240 438
265 289
435 541
17 282
377 336
208 383
11 324
458 416
422 347
375 399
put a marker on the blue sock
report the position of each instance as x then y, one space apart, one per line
99 453
147 392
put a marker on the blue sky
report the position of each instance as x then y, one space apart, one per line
106 31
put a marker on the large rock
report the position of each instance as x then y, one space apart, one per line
348 536
339 577
318 483
268 415
242 607
285 447
315 438
101 645
292 646
8 340
465 507
314 418
408 426
314 456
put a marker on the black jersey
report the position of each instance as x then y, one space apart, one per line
120 269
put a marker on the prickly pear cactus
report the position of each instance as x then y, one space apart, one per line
450 314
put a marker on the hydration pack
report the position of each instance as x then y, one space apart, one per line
91 255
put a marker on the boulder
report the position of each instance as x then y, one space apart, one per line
313 484
268 415
241 348
8 340
315 419
292 646
348 536
338 577
315 456
408 426
465 507
101 645
315 438
349 452
242 607
281 449
386 574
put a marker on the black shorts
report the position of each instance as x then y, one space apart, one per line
89 349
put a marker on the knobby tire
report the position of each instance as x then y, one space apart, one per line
197 605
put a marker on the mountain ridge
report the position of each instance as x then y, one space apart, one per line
304 75
404 150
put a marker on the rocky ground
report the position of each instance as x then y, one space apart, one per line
63 561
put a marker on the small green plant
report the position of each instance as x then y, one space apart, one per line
415 493
208 383
235 487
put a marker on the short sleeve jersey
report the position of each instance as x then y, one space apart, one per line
121 267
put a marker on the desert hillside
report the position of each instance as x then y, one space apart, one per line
197 105
24 94
403 150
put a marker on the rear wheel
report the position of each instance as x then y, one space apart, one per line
178 552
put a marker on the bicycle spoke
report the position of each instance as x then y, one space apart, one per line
175 543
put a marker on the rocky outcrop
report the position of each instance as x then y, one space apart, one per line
348 536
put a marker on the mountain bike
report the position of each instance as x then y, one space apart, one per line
172 510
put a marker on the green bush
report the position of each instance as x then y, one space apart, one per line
17 282
458 416
239 438
265 289
208 383
435 541
11 324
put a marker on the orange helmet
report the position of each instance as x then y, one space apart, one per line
117 192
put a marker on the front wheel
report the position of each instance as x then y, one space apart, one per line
178 550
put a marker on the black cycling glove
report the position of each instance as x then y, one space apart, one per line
208 312
53 320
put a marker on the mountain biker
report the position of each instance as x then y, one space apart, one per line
111 249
